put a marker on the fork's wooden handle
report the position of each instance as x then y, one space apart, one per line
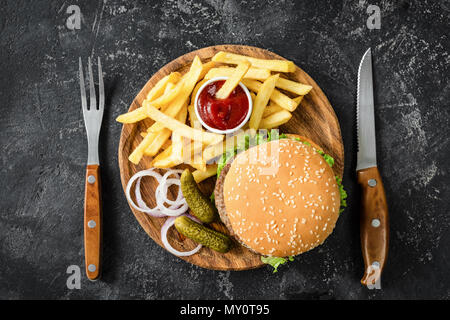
374 225
92 222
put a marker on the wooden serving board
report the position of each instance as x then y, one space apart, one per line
314 119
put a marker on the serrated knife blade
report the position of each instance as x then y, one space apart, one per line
365 125
374 223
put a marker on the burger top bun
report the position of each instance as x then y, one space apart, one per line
281 203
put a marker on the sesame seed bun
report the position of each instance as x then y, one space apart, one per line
279 203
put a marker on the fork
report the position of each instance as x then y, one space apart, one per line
92 197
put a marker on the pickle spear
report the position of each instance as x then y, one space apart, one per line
200 205
203 235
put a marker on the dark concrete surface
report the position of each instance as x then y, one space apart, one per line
44 148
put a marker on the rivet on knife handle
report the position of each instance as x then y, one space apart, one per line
92 222
374 225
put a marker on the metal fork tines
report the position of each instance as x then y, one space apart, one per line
94 114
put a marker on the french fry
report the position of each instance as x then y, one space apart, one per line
253 95
214 151
182 151
153 142
262 98
170 86
164 159
275 120
169 94
279 98
161 138
292 86
139 113
177 148
160 86
274 65
200 166
137 153
271 109
132 116
193 119
189 79
233 81
166 144
199 176
252 73
192 155
206 67
298 99
181 128
171 156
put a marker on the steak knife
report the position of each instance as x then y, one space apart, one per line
374 223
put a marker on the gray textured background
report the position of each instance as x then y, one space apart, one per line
44 150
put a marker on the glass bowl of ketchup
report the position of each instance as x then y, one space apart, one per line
223 116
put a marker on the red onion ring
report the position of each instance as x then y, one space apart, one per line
166 226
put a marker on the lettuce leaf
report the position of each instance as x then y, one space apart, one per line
328 159
275 262
342 193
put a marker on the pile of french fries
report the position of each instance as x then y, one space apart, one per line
171 142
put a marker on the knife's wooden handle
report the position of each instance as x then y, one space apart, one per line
92 222
374 225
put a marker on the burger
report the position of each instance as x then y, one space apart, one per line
278 195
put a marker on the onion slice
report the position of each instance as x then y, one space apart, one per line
161 198
176 207
166 226
154 212
163 190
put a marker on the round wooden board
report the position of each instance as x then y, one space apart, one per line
314 118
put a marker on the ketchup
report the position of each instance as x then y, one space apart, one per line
222 114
